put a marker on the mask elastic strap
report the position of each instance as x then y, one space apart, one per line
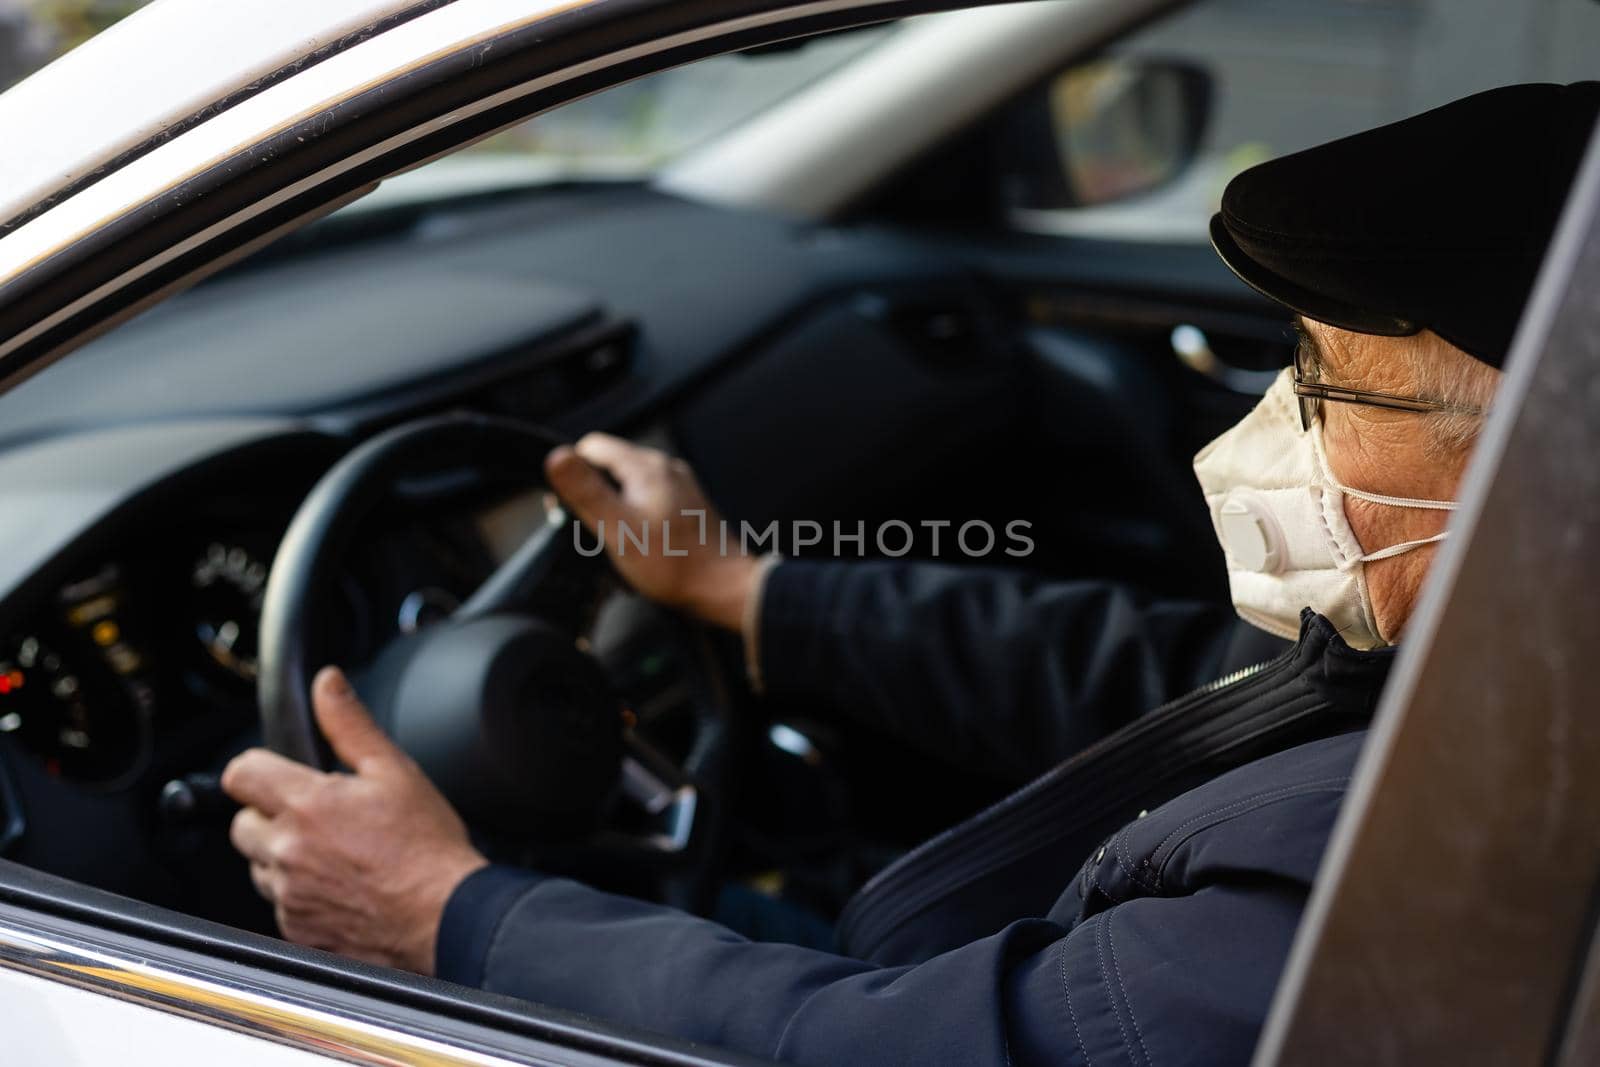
1398 501
1317 446
1402 547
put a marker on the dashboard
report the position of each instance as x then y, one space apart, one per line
133 660
73 686
117 657
163 628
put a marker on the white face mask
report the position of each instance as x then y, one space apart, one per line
1279 513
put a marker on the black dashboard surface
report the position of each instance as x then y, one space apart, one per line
295 341
464 286
61 487
446 292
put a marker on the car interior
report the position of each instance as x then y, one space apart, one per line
953 347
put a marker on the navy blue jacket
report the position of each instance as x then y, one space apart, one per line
1164 946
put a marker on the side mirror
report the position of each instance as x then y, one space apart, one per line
1103 131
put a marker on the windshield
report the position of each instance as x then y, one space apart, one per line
633 129
625 132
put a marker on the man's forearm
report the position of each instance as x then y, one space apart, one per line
1036 992
557 942
991 668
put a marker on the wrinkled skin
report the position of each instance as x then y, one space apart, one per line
362 863
1385 451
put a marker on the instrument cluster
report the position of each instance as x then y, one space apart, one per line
113 668
227 582
75 687
135 646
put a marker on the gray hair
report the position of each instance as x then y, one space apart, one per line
1445 373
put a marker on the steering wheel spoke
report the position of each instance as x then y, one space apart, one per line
553 575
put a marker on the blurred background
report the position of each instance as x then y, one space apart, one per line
33 32
1278 75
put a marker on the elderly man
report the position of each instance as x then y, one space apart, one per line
1079 921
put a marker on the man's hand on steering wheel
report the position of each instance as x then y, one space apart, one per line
364 863
657 493
361 864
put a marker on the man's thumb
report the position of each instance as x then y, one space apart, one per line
346 723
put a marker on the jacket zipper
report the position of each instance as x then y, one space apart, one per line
1232 678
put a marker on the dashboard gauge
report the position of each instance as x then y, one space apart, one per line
229 584
78 720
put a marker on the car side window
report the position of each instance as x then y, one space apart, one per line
1148 133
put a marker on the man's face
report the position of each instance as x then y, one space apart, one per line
1393 453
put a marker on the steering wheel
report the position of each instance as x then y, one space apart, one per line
514 723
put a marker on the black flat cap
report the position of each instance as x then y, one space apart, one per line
1437 222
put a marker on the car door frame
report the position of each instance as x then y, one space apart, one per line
82 939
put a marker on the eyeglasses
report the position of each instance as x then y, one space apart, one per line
1312 392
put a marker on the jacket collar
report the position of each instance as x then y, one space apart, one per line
1349 679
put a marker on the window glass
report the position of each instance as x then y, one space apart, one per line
626 131
1289 74
636 127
